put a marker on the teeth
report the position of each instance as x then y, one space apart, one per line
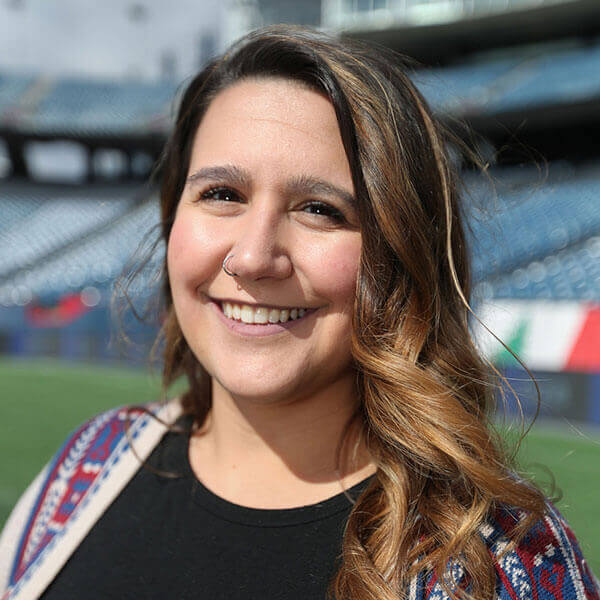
247 314
260 314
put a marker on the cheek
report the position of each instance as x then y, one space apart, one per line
334 271
190 252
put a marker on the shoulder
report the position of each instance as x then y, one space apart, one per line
546 564
97 444
90 446
90 467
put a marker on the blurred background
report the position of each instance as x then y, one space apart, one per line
87 96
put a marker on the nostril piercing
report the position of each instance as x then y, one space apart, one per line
224 266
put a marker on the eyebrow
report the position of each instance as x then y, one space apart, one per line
229 172
299 185
307 185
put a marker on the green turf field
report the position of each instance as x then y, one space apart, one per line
42 401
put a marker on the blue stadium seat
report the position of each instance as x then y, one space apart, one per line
531 223
82 107
567 77
97 259
37 225
570 274
15 210
522 79
12 88
461 88
546 75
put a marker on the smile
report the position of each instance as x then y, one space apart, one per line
261 315
249 321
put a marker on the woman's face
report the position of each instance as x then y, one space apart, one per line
270 184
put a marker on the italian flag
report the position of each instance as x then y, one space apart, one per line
546 336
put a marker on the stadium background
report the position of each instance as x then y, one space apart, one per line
519 80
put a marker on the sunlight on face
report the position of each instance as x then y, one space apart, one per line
270 184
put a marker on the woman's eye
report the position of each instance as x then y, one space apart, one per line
326 210
221 194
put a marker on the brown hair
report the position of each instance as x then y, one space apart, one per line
425 392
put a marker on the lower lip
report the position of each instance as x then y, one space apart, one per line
259 330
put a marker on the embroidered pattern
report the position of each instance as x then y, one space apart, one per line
546 565
86 457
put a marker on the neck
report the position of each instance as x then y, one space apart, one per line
281 454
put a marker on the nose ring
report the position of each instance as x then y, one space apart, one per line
224 266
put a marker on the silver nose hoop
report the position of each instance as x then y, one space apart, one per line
224 265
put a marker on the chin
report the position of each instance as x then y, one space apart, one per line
261 391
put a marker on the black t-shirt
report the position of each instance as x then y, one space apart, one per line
173 538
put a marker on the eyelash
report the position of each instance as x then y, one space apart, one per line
210 194
231 196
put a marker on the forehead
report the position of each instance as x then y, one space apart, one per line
273 112
261 96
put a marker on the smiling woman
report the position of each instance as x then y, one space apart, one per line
334 434
272 195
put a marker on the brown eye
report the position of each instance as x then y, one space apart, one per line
325 210
221 194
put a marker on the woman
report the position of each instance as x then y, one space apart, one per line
316 300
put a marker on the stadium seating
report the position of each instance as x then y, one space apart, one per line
97 258
520 80
15 210
535 232
84 107
570 274
463 88
12 88
53 225
528 224
565 77
546 75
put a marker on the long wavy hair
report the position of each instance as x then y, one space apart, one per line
425 392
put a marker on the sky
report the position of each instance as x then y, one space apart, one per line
107 38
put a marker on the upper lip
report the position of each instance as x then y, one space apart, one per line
265 305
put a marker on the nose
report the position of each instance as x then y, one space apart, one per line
260 250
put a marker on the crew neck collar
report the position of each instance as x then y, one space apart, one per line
266 517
